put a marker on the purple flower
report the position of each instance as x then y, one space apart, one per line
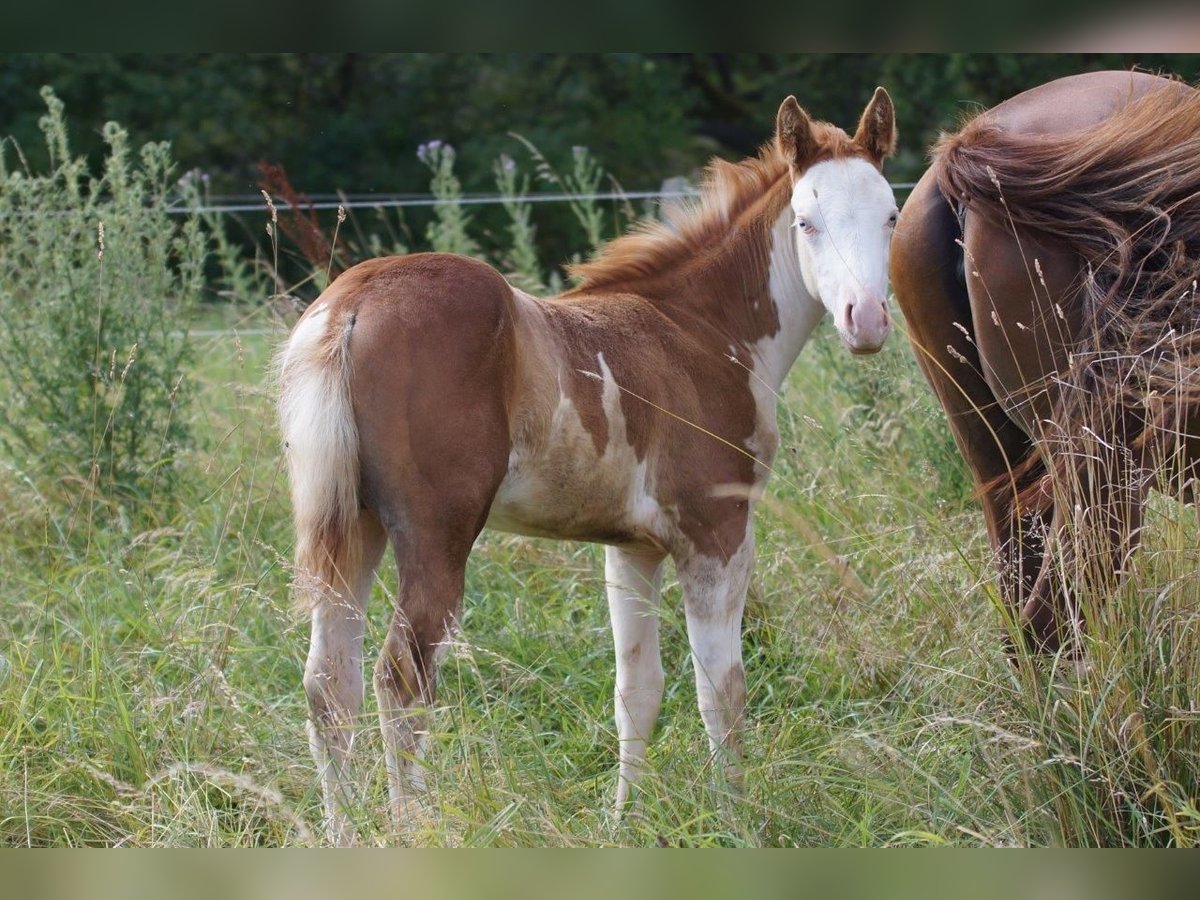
579 151
507 165
429 153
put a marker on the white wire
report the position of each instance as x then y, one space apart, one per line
255 203
247 203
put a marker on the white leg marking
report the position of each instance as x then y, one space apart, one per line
714 596
633 582
333 681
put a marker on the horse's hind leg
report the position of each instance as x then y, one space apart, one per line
633 580
333 674
927 277
1096 529
432 526
427 606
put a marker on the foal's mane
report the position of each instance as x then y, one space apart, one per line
728 192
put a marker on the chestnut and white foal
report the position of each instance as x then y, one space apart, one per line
424 398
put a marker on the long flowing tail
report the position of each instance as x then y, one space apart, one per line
321 444
1125 194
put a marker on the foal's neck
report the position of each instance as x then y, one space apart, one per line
798 311
747 295
744 293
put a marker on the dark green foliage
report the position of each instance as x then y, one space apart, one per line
354 121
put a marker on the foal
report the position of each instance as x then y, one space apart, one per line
424 398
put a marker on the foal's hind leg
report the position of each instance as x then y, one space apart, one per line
432 525
333 674
427 606
633 580
714 596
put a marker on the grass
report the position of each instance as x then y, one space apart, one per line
150 690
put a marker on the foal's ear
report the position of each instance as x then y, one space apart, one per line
794 134
877 128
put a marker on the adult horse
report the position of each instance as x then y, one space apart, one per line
1046 267
424 398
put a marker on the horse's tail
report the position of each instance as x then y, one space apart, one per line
1125 196
320 438
1120 192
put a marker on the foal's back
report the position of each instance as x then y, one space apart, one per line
557 426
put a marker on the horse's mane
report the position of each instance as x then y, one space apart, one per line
728 191
1124 196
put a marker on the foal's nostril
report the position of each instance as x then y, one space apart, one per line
850 317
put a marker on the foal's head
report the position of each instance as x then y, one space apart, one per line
844 214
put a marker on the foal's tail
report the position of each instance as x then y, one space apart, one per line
321 444
1125 196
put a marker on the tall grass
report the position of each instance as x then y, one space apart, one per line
150 675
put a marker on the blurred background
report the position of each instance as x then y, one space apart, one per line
353 121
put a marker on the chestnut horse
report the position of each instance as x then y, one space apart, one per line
1046 265
424 398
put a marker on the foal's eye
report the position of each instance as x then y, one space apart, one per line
893 218
804 225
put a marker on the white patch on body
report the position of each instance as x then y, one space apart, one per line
773 357
562 488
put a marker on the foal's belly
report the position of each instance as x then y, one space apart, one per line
573 495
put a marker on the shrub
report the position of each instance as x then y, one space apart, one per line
96 280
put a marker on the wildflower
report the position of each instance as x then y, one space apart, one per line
429 152
507 164
579 152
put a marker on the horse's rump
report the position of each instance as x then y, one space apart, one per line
1123 196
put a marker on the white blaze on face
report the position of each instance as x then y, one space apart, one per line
844 213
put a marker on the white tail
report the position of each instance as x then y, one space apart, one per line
321 444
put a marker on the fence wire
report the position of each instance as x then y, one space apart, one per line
254 203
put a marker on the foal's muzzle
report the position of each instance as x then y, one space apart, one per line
865 324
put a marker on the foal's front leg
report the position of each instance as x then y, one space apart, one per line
632 580
714 596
